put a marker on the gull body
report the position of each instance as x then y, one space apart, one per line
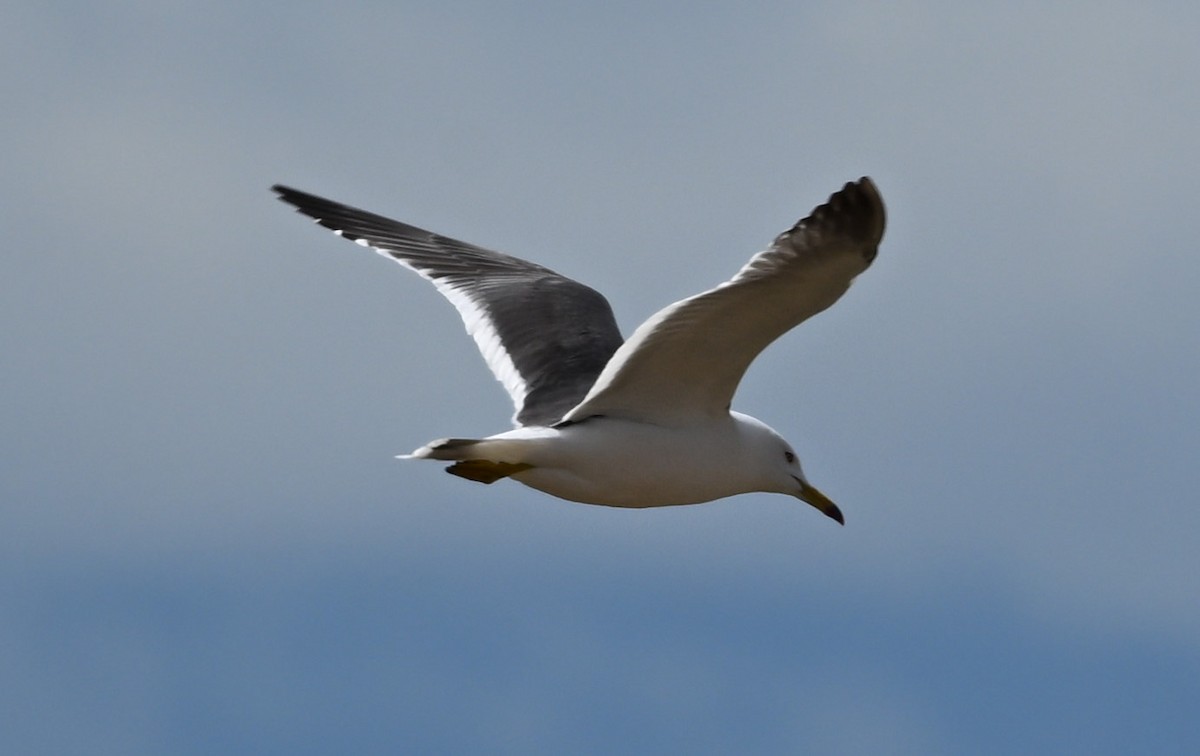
725 456
639 423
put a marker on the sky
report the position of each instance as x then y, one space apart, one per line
206 545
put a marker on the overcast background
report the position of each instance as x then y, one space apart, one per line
207 547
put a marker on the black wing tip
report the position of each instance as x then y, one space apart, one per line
303 201
855 212
861 202
332 215
287 193
865 186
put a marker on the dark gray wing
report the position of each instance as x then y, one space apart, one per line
544 336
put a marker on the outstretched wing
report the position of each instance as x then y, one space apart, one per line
687 360
544 336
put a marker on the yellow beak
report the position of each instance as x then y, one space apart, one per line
820 501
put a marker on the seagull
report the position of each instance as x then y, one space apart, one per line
639 423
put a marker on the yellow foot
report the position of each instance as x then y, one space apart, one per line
486 471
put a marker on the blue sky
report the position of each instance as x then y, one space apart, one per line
207 546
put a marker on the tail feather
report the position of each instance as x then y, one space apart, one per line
446 449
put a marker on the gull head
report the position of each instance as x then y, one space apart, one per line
779 467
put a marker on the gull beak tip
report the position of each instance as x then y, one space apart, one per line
821 502
836 514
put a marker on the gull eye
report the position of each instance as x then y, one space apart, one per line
789 456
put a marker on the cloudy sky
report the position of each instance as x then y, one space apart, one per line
207 547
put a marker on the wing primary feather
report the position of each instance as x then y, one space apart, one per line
545 336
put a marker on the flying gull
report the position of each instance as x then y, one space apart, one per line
638 423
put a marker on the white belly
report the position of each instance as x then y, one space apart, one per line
620 463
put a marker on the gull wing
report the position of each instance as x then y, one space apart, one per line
687 360
544 336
